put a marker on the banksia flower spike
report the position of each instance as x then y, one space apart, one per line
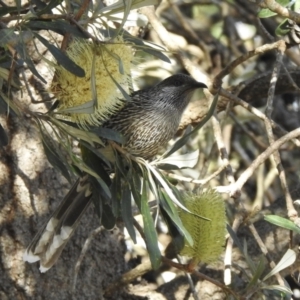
92 99
208 235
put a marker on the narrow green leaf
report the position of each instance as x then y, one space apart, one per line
140 44
179 161
153 186
287 260
283 28
123 92
22 51
93 83
167 188
172 212
149 230
54 159
235 238
11 107
118 7
249 261
47 9
266 13
85 108
108 219
109 134
97 152
78 134
280 288
126 212
5 74
92 158
135 183
7 10
282 222
59 26
61 57
85 168
260 267
116 194
3 137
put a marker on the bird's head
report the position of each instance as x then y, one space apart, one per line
177 90
181 82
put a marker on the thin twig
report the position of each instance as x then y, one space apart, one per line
230 67
292 213
162 32
280 10
222 148
82 254
264 250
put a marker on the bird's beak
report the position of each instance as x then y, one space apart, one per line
201 85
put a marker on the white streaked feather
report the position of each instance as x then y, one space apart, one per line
30 257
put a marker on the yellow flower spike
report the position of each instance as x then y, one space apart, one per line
208 236
101 63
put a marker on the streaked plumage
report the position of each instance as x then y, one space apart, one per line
147 122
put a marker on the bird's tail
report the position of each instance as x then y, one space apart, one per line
49 242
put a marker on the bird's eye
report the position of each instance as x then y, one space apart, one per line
178 82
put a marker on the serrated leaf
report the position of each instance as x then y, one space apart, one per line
149 230
287 260
61 57
126 212
3 137
179 161
282 222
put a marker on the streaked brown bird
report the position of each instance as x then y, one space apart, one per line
147 123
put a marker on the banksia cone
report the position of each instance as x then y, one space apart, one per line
101 63
208 235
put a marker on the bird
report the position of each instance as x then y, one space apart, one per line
147 123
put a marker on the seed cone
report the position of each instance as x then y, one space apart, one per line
100 62
208 236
